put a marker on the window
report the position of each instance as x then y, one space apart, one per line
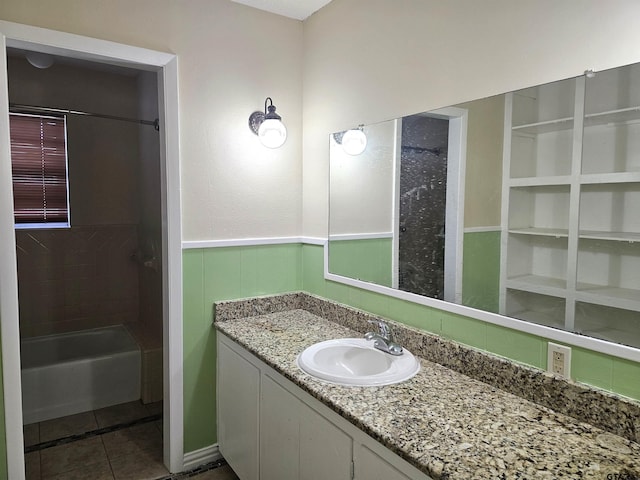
39 167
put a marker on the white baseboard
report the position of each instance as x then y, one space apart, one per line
201 456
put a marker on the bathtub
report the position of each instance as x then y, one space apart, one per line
79 371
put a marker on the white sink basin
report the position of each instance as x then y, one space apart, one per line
354 361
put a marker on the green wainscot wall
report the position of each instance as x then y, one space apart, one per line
3 431
237 272
210 275
481 270
368 260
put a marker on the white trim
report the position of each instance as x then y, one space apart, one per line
238 242
90 49
360 236
245 242
504 202
313 241
397 163
199 457
454 211
173 357
9 309
457 119
483 229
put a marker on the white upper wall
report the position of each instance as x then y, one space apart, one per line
352 62
230 57
371 60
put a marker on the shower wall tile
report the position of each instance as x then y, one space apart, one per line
77 278
152 376
150 282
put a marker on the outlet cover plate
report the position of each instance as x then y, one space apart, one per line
559 360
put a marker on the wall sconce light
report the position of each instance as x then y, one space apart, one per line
353 141
268 126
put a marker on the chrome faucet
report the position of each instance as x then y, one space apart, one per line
384 339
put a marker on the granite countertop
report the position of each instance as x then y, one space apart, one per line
448 425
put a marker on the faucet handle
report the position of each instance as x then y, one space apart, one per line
385 331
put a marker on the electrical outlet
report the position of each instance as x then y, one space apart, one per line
559 360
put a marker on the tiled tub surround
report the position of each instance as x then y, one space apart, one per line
76 278
447 424
150 341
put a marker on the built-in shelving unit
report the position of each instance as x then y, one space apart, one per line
570 255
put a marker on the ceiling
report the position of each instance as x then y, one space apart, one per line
298 9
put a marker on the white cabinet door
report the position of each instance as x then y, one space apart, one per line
296 442
280 414
325 450
269 429
238 398
374 462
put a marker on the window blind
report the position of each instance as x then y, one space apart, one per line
39 168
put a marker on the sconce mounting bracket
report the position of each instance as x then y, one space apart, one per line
255 120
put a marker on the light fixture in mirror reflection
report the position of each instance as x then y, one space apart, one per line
543 226
396 203
353 141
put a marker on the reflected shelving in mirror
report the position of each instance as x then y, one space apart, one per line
549 190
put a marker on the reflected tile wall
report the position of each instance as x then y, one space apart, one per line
423 182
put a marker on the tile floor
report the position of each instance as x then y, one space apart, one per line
131 453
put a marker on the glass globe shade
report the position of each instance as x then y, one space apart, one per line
39 60
272 133
354 142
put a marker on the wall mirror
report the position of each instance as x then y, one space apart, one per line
522 206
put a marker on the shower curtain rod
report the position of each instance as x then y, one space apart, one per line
34 109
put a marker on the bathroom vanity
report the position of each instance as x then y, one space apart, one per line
271 429
277 422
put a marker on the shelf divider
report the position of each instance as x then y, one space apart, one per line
544 127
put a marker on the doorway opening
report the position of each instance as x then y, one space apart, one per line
430 158
93 288
163 70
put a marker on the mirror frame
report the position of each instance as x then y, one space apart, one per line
546 333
